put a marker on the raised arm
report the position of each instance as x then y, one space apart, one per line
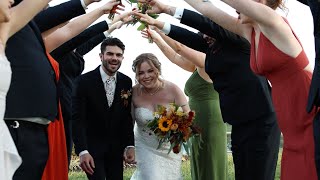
185 55
53 16
220 17
75 27
186 52
264 18
21 14
172 55
93 42
80 39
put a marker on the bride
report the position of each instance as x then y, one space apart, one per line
153 163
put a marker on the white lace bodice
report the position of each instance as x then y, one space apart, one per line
153 163
9 157
142 133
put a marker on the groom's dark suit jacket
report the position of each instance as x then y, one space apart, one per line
244 96
71 64
33 91
97 127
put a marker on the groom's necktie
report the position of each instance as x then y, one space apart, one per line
110 88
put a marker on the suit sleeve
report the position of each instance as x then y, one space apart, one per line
188 38
79 117
89 45
128 136
210 28
56 15
83 40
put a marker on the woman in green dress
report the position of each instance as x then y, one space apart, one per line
208 151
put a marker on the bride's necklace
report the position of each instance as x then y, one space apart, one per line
155 92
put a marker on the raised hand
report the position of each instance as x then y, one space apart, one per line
109 7
150 33
125 17
158 7
144 18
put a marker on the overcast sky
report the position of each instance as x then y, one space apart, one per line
298 15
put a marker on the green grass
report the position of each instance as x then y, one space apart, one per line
79 175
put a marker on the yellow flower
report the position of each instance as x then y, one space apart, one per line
164 124
180 113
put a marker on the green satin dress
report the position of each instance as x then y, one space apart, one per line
209 153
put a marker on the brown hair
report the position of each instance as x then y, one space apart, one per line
274 4
150 58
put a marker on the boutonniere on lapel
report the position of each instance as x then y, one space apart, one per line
125 96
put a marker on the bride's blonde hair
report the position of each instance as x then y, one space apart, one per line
150 58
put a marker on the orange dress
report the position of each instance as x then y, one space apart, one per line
290 87
57 164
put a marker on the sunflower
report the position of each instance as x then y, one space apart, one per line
164 124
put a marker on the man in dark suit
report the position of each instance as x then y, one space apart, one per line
71 64
32 97
245 99
314 93
102 122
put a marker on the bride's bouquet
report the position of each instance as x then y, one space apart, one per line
171 124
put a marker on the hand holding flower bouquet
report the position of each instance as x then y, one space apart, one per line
171 124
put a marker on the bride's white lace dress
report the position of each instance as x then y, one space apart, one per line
152 163
9 157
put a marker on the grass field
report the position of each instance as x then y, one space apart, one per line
79 175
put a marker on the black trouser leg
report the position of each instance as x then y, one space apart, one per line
31 140
255 147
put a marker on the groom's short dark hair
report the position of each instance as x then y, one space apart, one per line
111 41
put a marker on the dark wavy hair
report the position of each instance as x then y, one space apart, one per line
111 41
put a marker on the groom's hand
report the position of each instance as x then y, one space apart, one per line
129 155
87 163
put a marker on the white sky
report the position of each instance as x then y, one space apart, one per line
298 15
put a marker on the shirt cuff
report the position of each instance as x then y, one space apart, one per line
83 5
166 28
106 34
179 12
83 152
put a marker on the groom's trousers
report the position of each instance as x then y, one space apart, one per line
108 166
255 148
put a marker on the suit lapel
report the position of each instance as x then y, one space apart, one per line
117 92
100 91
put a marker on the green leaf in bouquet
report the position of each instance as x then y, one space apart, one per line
154 16
152 124
171 147
186 147
133 1
161 141
141 27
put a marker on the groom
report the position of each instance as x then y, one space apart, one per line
102 123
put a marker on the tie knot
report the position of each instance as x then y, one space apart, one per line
111 79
